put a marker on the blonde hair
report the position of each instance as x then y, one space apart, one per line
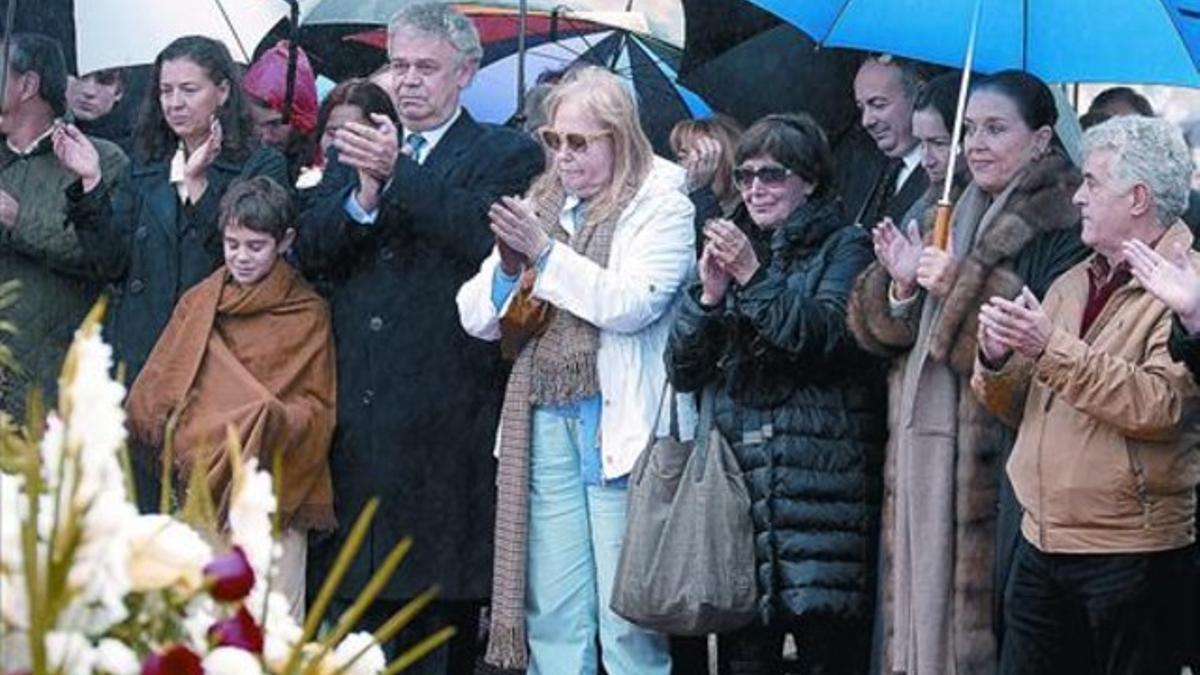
605 98
724 130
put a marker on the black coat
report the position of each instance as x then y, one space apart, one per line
804 409
153 250
418 400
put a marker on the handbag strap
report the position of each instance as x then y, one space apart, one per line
703 431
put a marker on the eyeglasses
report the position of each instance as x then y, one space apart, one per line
576 142
767 175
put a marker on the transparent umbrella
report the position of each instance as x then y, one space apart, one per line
111 33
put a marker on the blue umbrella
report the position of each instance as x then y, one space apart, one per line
1143 41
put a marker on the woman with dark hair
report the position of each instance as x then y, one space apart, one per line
945 553
764 332
354 100
160 235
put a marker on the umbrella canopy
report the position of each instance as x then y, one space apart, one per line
111 33
1142 41
747 63
553 43
663 18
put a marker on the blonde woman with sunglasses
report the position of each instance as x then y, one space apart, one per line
764 328
604 238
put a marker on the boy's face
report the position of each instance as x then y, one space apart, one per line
250 255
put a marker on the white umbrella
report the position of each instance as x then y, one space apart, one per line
664 18
111 33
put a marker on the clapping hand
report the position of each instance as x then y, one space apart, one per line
77 154
701 162
513 223
195 170
731 249
372 149
936 271
899 253
714 280
1173 280
1019 325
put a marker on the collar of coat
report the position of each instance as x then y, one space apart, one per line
808 226
1039 202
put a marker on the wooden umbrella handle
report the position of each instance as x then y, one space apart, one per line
941 225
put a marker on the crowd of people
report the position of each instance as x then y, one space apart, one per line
974 458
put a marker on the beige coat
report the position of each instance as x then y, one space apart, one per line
1106 458
1031 239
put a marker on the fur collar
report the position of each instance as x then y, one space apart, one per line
1040 203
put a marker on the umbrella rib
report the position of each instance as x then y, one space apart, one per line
836 20
232 30
1025 35
1179 34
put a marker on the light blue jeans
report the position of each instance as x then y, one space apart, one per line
575 535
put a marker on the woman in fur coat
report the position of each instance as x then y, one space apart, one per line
1014 225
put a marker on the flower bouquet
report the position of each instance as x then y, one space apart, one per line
89 585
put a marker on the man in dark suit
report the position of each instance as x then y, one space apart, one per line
398 224
884 91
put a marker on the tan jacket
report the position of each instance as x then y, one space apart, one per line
1106 458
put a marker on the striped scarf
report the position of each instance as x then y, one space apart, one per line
557 367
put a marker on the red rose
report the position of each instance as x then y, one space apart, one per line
230 576
239 630
178 660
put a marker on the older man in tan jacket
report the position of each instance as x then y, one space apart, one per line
1106 461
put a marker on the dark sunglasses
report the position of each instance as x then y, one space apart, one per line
576 142
767 175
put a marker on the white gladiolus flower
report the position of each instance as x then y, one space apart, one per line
251 504
97 418
166 553
372 662
280 631
199 614
231 661
114 658
14 602
69 653
12 511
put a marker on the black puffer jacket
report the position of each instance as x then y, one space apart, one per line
804 409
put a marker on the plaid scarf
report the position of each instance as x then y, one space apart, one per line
557 367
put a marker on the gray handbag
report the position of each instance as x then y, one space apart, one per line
687 563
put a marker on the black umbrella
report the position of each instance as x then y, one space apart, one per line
745 62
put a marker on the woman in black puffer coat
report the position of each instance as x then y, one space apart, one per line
802 406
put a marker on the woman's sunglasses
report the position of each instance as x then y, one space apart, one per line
767 175
575 142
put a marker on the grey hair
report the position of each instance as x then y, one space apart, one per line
1150 151
444 21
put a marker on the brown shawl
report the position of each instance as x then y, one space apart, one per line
259 359
557 366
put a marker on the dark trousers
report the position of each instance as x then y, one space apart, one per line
1119 614
457 657
689 655
824 646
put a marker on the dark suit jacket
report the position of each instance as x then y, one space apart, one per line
418 400
909 193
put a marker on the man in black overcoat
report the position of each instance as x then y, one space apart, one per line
398 224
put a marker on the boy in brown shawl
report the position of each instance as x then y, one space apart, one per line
250 347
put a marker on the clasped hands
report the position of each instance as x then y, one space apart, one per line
520 237
372 150
728 256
